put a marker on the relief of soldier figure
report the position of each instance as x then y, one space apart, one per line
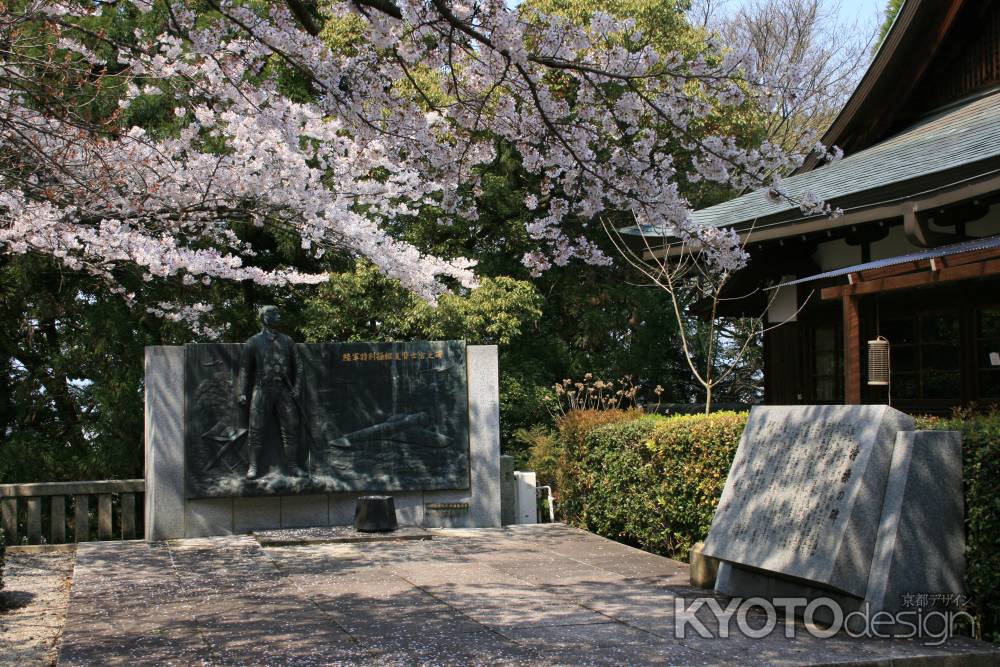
270 380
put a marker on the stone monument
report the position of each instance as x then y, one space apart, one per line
846 502
273 433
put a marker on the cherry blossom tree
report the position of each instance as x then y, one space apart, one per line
372 135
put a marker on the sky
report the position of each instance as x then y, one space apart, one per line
867 12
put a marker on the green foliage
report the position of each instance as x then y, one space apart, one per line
363 304
539 448
612 494
526 404
572 477
890 12
981 472
652 482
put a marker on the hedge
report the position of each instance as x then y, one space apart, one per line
649 481
654 483
981 470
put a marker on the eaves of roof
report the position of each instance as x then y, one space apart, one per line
954 146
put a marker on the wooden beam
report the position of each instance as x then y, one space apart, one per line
894 270
970 257
852 350
72 488
920 279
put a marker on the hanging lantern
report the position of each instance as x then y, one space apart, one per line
878 362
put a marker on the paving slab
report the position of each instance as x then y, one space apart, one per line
542 595
33 606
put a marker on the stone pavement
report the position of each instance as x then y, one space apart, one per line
33 607
531 595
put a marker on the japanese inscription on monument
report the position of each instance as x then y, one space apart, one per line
275 417
804 493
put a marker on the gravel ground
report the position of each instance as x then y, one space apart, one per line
33 607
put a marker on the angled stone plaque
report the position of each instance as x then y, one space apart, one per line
804 495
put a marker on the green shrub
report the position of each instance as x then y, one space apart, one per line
649 481
568 476
981 470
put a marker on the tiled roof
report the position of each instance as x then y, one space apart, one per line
955 138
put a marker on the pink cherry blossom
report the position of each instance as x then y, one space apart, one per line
367 152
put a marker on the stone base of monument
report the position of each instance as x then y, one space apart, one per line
375 514
859 511
704 569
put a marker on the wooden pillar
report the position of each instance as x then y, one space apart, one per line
852 350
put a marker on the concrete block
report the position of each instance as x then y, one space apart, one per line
206 517
508 489
341 510
164 442
305 511
526 499
921 539
452 514
251 514
484 434
409 507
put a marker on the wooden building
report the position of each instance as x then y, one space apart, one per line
915 258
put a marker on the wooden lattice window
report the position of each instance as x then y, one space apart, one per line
926 356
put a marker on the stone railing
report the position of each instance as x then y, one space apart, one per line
58 512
